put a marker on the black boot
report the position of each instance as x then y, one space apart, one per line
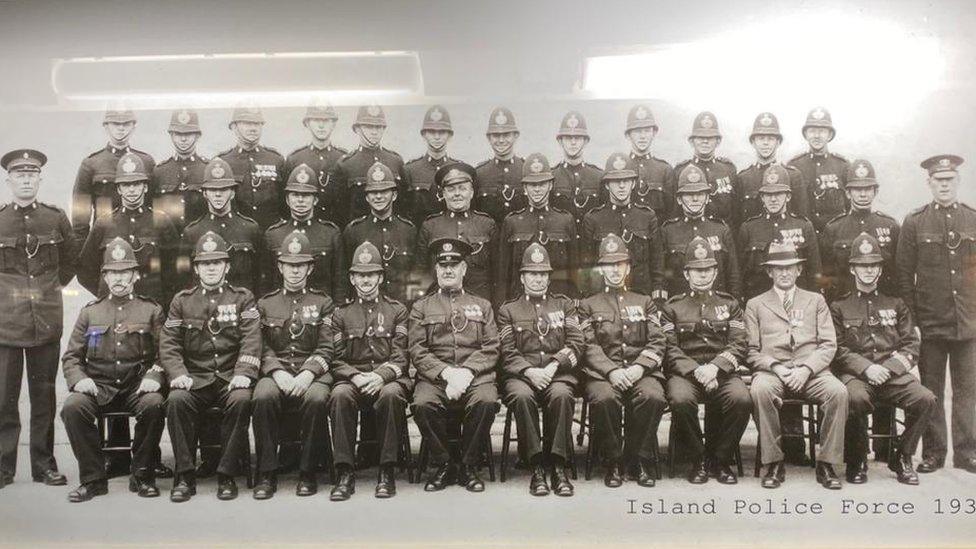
827 477
308 485
386 484
184 487
699 472
144 485
88 490
560 481
857 472
345 487
903 467
266 487
469 478
538 486
614 477
226 487
441 477
645 475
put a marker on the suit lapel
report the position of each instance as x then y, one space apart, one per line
771 300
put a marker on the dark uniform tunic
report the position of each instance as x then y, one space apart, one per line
754 238
176 189
554 229
421 199
874 328
750 204
330 274
94 193
296 329
454 328
37 255
535 331
115 343
835 250
723 180
350 179
638 226
479 230
211 335
825 180
707 328
246 242
370 336
498 187
260 173
396 239
324 163
155 240
656 184
936 269
677 233
622 329
577 189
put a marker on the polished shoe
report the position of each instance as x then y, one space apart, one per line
52 477
614 477
266 487
162 471
857 473
726 475
87 491
698 473
561 485
226 487
184 487
930 465
645 476
538 486
144 486
775 475
903 467
827 477
307 485
345 487
469 478
441 478
966 465
386 484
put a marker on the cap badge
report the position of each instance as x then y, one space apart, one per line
436 115
128 166
302 177
818 114
619 163
772 177
373 110
861 171
766 120
536 166
217 172
183 117
26 155
537 256
612 246
700 252
572 121
294 247
500 118
448 247
640 113
865 247
118 253
694 177
707 122
365 257
377 174
209 244
944 162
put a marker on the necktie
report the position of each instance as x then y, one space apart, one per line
788 303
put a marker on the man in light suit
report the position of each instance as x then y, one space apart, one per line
791 344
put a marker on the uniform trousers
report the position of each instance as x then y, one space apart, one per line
390 409
182 414
477 405
559 401
961 355
917 401
645 402
42 369
269 406
730 401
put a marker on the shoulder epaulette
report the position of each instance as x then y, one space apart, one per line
356 221
682 164
883 214
918 210
276 224
269 294
348 154
239 289
724 159
644 207
594 166
676 298
482 163
836 218
298 150
391 300
327 223
3 207
967 206
99 151
799 156
412 160
757 216
481 213
726 295
560 210
185 292
670 221
405 220
164 162
433 215
838 156
246 218
394 153
271 149
228 151
49 206
148 299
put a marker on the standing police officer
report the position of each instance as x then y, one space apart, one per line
176 181
259 168
422 199
321 156
37 254
720 172
766 139
498 179
577 187
655 177
936 269
824 173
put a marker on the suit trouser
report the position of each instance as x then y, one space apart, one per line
962 367
313 411
645 401
768 390
182 414
559 399
390 406
430 407
42 369
80 416
917 401
734 409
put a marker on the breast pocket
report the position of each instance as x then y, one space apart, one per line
931 247
526 339
49 251
558 247
10 256
96 341
271 329
479 258
136 339
854 330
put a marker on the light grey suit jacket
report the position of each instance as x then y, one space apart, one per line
804 338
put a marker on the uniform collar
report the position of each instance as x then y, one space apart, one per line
612 290
781 215
533 209
242 150
452 292
510 160
615 207
286 291
822 154
701 294
534 298
953 206
313 148
228 215
760 163
433 160
192 157
373 301
570 165
701 160
694 218
302 222
365 148
857 212
872 293
31 206
115 300
218 290
116 150
645 156
376 219
465 214
129 211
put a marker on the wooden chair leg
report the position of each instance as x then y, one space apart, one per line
758 466
506 445
423 454
582 432
672 451
590 451
738 459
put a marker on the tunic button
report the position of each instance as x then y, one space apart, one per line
952 271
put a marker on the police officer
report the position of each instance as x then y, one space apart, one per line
824 173
394 235
422 199
370 368
302 197
354 168
577 187
706 345
635 223
777 222
623 362
112 364
765 140
296 328
149 232
210 348
322 156
693 222
498 178
655 177
720 172
456 183
877 347
37 253
260 169
243 233
538 222
936 268
541 345
176 181
839 233
94 190
454 346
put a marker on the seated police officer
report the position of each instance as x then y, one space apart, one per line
210 349
454 347
541 346
296 330
111 365
623 362
877 346
706 345
370 369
